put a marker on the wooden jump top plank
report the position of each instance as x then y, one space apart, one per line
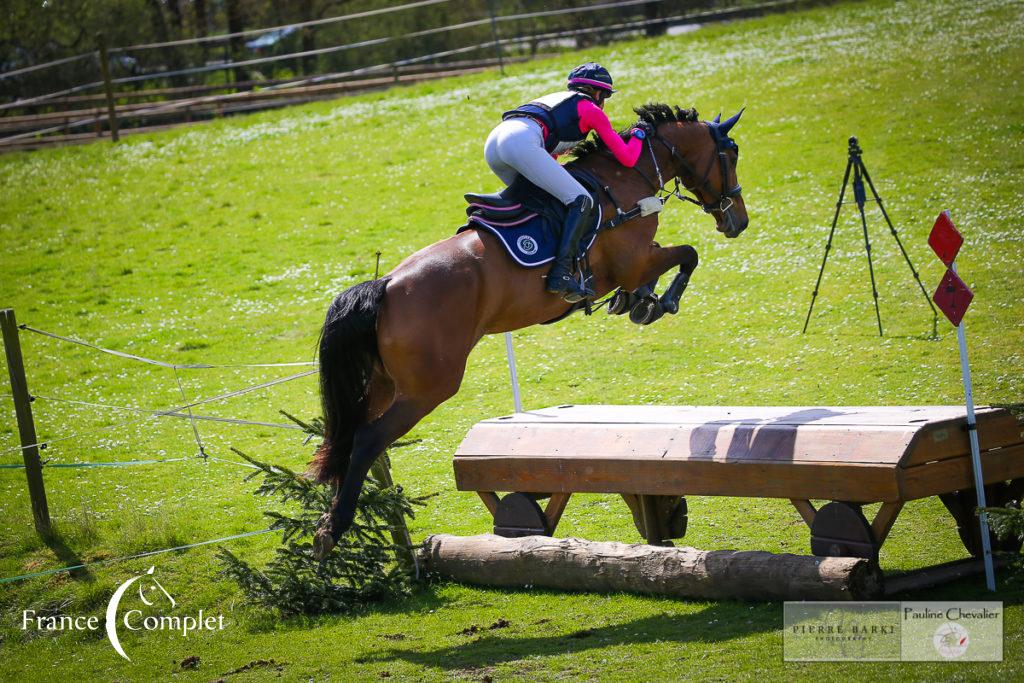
1000 464
908 416
720 443
828 434
845 453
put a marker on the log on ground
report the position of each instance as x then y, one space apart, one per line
575 564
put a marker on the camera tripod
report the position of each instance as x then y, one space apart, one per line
860 174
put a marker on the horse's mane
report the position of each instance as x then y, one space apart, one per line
654 113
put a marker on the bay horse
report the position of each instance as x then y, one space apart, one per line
393 349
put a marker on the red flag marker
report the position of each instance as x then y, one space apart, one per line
945 240
953 297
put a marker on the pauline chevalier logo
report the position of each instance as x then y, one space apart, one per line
951 640
153 597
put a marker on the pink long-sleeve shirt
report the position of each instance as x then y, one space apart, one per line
593 118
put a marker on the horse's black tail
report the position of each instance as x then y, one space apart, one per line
348 353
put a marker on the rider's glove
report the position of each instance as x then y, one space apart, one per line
643 129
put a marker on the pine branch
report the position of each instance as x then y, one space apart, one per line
363 568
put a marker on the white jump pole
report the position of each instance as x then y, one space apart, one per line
513 377
972 431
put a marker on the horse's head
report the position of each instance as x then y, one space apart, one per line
705 158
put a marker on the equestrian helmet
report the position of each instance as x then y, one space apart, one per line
593 75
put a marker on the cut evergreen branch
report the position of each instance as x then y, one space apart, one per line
1006 522
381 472
366 565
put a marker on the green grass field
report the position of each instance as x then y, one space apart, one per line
224 243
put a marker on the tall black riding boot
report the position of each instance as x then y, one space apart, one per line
560 279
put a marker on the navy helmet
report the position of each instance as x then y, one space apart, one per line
592 74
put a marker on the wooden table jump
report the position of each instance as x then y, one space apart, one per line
653 455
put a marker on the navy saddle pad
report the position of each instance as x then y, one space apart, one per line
528 221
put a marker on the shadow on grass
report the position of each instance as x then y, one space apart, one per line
1009 586
487 646
422 601
871 334
715 623
68 557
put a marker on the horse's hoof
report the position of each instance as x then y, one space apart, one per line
646 311
620 302
323 543
670 307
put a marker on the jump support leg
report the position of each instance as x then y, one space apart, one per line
519 514
840 528
658 518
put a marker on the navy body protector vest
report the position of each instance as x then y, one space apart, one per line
559 114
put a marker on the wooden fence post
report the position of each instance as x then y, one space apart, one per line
494 32
107 86
26 426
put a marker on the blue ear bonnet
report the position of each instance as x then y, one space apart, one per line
720 130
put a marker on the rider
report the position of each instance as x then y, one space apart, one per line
531 136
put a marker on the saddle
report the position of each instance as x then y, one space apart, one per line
528 221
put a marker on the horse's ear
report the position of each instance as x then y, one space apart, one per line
718 118
727 125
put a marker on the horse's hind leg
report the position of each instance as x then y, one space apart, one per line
421 378
369 441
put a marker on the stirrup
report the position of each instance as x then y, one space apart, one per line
567 287
571 290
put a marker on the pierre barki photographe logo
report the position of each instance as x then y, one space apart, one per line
155 610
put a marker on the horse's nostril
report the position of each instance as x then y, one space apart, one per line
734 227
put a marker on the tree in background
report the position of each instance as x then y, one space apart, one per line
37 31
236 24
171 56
200 19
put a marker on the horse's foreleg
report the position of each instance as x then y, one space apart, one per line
650 264
670 298
643 304
624 300
660 260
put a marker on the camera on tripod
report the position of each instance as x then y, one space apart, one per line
855 162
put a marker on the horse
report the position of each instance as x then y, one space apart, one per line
393 349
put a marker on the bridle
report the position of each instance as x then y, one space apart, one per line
723 201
